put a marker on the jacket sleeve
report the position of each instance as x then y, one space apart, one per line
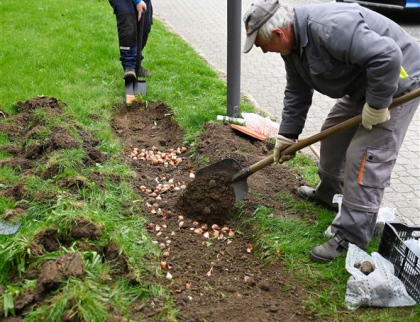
297 100
137 1
350 40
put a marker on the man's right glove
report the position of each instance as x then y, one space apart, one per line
372 116
281 144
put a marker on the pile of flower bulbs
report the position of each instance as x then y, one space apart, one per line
207 231
163 186
158 158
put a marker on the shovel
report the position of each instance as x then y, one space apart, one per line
238 174
135 86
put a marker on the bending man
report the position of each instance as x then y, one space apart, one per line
364 60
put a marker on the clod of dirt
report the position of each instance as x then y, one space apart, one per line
119 262
94 117
84 228
26 130
50 172
40 101
35 150
73 183
12 215
10 149
93 156
367 267
55 271
25 299
264 286
16 192
48 238
209 198
62 139
17 163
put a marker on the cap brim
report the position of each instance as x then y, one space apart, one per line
249 42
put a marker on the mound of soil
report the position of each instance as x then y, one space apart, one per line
220 141
207 257
209 199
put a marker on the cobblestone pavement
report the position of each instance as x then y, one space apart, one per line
203 24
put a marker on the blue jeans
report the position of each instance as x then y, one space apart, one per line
126 14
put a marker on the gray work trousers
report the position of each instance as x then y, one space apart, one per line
358 164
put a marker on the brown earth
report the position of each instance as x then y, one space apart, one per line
212 276
208 198
207 261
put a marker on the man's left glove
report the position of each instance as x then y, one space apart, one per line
282 143
372 116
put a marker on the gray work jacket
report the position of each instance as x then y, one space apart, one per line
345 49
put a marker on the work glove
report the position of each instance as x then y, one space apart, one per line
281 144
372 116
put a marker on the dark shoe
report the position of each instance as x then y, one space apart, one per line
143 72
330 250
307 193
129 74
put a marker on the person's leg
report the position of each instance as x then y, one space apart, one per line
127 31
370 160
333 151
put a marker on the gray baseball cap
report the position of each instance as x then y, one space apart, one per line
260 12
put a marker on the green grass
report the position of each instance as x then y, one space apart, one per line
291 240
70 51
74 57
306 167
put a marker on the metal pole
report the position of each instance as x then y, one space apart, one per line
233 57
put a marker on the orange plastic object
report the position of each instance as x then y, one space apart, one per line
248 131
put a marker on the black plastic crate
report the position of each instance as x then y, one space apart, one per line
406 263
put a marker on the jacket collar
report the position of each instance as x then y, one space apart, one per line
300 29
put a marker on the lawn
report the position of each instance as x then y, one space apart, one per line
69 51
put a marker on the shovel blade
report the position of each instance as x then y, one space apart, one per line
140 87
132 88
230 168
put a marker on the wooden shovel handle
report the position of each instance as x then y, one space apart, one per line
323 134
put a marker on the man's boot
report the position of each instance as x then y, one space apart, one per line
309 194
129 74
330 250
143 72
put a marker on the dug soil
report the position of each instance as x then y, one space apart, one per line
208 261
207 258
